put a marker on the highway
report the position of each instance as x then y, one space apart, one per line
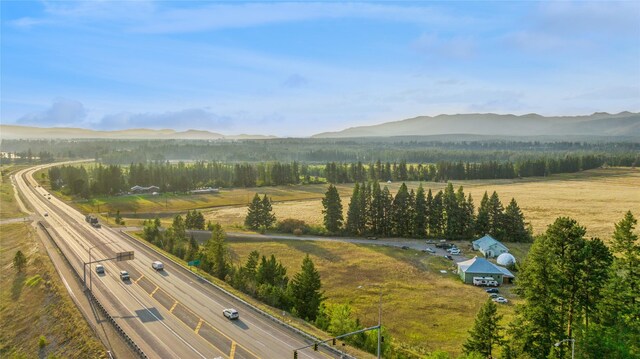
168 314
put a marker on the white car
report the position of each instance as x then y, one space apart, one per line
455 251
124 275
231 313
429 250
500 300
99 269
157 265
46 214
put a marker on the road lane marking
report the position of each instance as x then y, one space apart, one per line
175 304
198 326
233 350
137 280
154 291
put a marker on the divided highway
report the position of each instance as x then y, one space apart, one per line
169 314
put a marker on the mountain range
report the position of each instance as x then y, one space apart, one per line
625 124
24 132
597 124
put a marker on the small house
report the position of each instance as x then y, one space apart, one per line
141 189
489 246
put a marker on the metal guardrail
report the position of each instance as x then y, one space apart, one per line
304 334
116 326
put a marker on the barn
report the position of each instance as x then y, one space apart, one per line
480 267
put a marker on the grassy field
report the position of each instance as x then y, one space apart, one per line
35 305
596 199
35 308
422 308
8 207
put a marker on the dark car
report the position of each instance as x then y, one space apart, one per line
448 257
492 290
405 247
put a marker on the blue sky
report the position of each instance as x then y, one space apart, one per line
299 68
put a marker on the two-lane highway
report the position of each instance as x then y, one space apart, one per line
171 313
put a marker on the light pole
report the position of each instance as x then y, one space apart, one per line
90 271
379 315
573 343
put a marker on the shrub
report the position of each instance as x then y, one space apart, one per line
290 225
42 342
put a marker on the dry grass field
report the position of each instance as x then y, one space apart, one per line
596 199
8 207
422 308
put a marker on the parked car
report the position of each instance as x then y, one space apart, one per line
99 269
157 265
492 290
493 295
124 275
429 250
231 313
430 241
448 257
405 247
46 214
500 300
454 251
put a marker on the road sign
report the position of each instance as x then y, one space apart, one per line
194 263
124 256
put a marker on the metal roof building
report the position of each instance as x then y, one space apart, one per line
489 246
480 267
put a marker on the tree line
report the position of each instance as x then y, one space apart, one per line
574 288
264 278
449 214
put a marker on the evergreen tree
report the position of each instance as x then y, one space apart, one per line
435 216
215 252
452 213
332 210
252 220
306 286
401 209
354 213
192 252
496 213
376 210
469 218
19 261
553 282
267 218
482 220
365 207
513 224
420 214
485 333
428 208
387 218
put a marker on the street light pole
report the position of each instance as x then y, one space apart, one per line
573 345
379 317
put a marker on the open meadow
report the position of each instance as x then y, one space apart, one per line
596 199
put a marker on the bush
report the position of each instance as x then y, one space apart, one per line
294 226
42 342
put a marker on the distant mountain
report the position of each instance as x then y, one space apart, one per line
597 124
27 132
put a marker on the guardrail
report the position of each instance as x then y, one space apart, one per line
116 326
304 334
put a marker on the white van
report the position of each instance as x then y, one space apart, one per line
157 265
479 281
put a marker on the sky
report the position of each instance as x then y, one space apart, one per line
300 68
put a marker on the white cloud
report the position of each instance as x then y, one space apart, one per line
61 113
193 118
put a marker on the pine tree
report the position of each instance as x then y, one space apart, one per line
496 213
482 221
435 216
420 214
401 209
387 218
306 286
452 224
469 218
252 220
486 331
19 261
215 252
428 212
267 218
365 207
376 210
513 224
332 210
354 213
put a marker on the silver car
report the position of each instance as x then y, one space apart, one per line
231 313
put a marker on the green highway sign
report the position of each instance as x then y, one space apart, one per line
194 263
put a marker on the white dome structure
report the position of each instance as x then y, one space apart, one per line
506 259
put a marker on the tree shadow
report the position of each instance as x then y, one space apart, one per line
18 284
